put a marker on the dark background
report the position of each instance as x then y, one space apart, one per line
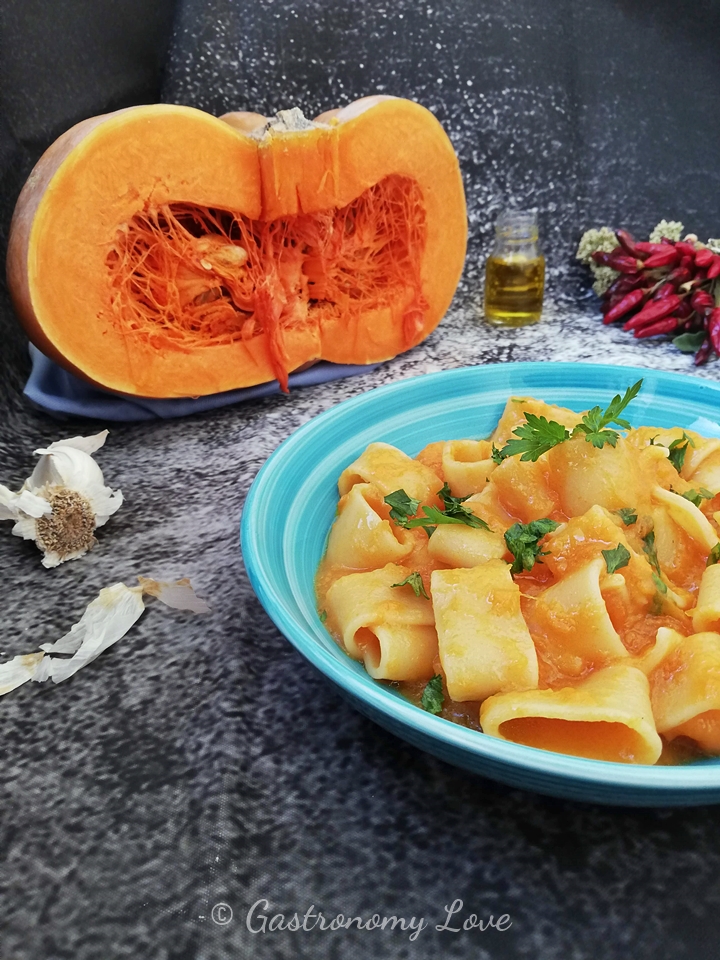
127 811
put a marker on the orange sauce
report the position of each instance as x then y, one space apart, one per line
519 492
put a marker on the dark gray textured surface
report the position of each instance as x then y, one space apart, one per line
597 111
201 760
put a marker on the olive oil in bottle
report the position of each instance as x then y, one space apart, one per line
515 271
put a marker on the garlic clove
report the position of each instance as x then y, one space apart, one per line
87 445
13 504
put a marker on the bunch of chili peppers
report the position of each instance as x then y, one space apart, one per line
664 288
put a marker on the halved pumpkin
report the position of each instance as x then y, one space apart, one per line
159 251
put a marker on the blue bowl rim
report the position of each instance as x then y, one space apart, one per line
695 777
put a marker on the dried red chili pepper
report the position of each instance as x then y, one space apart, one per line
624 284
701 300
680 274
703 353
664 291
684 311
685 248
713 328
714 268
644 247
665 258
617 260
704 257
628 302
624 264
629 245
653 311
666 325
699 278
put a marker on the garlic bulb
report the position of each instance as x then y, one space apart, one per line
64 500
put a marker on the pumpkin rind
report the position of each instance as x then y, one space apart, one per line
106 172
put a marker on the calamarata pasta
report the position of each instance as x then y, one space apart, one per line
556 585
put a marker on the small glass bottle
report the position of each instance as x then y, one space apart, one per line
515 271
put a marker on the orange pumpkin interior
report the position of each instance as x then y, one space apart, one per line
160 251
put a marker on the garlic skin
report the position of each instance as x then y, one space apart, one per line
106 620
64 500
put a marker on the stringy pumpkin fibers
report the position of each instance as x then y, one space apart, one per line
185 276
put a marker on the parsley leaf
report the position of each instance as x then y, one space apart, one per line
432 696
690 342
627 515
651 552
453 507
697 496
595 421
497 456
616 558
678 448
402 506
323 616
523 542
535 436
649 548
414 581
714 556
662 587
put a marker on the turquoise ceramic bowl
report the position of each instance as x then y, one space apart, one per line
291 506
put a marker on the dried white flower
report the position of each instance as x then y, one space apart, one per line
604 276
672 229
64 501
714 245
591 241
106 620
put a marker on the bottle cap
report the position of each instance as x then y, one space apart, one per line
517 225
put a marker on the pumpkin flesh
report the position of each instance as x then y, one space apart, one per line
163 252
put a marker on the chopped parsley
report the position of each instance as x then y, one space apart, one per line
534 437
627 515
714 556
432 696
403 508
595 422
496 455
323 616
537 434
523 542
453 507
662 587
414 581
678 448
651 552
616 558
697 496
